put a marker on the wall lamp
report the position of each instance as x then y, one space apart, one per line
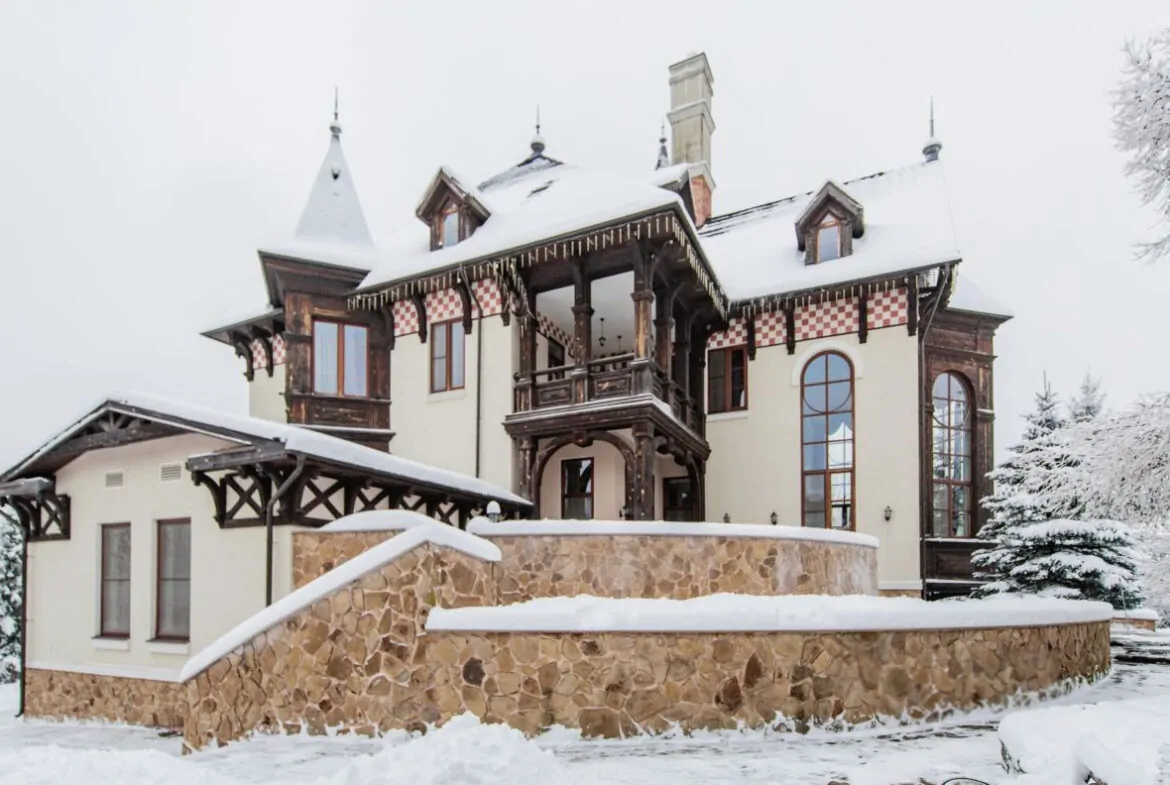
888 513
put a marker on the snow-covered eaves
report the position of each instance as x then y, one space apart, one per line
968 297
294 439
373 559
568 528
447 180
908 227
222 332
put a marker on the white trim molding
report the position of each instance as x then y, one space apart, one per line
114 671
736 414
168 647
111 644
830 345
899 585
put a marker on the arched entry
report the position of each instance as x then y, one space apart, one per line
547 450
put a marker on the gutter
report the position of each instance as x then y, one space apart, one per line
281 491
478 372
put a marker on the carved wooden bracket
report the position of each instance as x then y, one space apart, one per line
420 309
863 317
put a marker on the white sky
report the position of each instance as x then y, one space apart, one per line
146 150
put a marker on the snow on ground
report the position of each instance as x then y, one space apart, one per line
467 753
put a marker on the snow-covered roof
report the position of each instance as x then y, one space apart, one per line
907 227
243 429
969 297
742 613
374 558
333 213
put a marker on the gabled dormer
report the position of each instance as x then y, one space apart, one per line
827 227
452 210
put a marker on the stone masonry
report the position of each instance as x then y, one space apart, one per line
316 553
678 567
67 695
356 659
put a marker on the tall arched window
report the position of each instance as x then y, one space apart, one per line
827 441
951 489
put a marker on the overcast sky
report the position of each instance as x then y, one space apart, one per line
148 148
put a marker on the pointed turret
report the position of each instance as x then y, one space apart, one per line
663 155
334 212
933 146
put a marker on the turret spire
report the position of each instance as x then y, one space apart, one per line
537 140
333 212
932 147
335 126
663 155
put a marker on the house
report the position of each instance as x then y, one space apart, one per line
568 343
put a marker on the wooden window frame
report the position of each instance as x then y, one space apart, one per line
441 219
103 632
158 581
666 482
448 332
591 496
833 220
727 388
341 325
827 473
953 378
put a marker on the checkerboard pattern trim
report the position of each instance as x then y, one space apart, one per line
887 309
545 327
490 299
770 329
405 318
821 320
278 353
443 306
735 335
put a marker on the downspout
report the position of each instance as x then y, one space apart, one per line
478 372
281 491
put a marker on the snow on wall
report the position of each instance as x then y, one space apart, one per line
561 528
342 575
379 521
740 613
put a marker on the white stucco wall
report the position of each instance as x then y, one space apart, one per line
266 394
755 463
439 428
227 566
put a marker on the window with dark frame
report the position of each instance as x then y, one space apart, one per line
172 618
556 358
115 581
449 226
951 457
447 346
677 503
829 238
827 427
727 386
340 359
577 489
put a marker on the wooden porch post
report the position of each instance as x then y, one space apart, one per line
644 453
642 296
525 383
582 331
663 332
527 485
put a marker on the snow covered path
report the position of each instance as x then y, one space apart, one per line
466 753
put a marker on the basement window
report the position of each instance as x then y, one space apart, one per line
115 479
170 472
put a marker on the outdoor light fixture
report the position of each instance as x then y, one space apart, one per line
493 511
888 513
727 517
625 513
601 340
775 518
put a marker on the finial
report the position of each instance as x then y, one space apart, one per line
932 147
335 126
537 140
663 155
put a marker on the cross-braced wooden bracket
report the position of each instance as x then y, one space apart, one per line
42 517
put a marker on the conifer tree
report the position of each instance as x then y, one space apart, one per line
10 550
1088 400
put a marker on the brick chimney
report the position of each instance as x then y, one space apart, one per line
691 126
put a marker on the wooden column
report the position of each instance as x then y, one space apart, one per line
644 453
582 331
526 486
663 330
525 382
643 296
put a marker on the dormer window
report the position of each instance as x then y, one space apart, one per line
829 238
449 227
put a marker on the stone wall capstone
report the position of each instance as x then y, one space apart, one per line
678 567
62 695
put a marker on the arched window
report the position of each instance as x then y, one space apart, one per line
951 433
827 441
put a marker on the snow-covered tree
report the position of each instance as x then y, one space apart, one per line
1141 129
10 549
1088 401
1154 569
1126 459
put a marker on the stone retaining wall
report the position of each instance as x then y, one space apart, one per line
625 683
678 567
355 659
69 695
316 553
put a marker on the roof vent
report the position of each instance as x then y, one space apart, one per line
115 479
170 472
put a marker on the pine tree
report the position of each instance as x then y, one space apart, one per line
10 549
1088 400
